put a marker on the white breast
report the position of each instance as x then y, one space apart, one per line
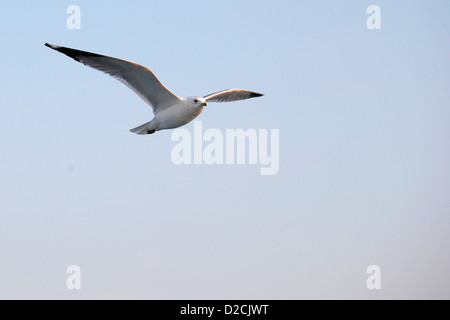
176 115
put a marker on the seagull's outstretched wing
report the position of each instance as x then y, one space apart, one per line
138 78
231 95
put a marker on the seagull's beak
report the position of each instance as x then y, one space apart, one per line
204 104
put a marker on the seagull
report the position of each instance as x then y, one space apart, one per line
170 110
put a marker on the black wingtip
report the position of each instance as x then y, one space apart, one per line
51 46
73 53
255 95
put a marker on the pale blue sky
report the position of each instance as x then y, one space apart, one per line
364 152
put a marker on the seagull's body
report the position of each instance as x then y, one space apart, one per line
170 110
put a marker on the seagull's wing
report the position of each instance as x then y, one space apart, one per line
231 95
138 78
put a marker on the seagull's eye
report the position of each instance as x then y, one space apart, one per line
195 100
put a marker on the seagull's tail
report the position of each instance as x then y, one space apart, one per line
146 128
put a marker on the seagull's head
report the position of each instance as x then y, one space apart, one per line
198 101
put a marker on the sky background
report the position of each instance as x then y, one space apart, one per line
364 173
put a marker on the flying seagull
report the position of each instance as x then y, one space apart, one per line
170 110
